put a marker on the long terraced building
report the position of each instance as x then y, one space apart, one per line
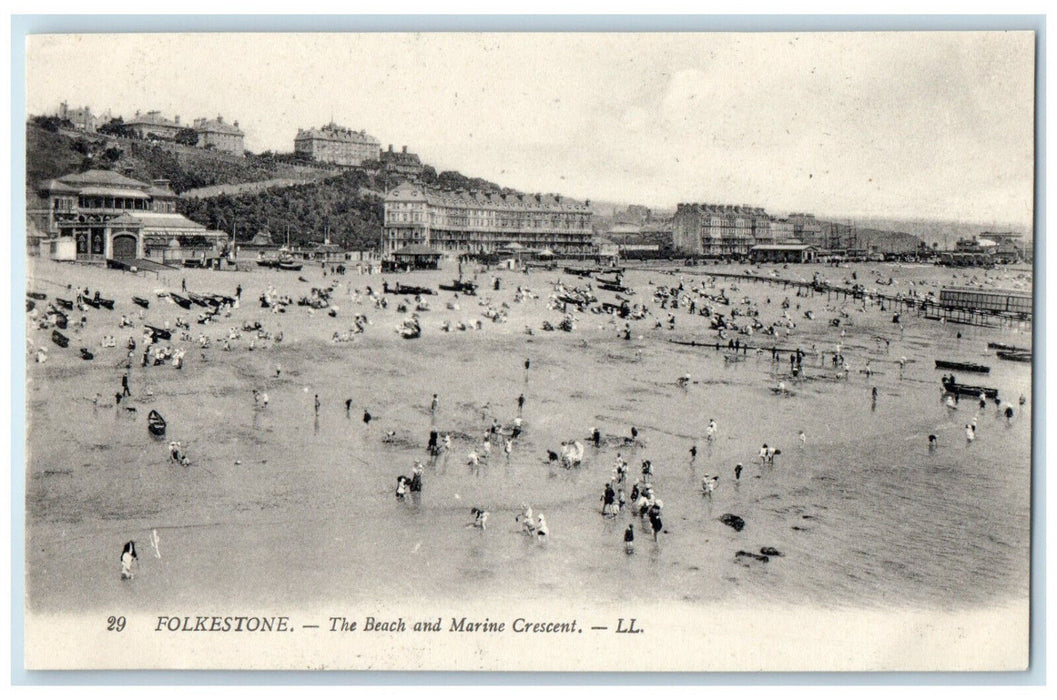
484 222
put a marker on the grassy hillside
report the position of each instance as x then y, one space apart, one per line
308 212
53 153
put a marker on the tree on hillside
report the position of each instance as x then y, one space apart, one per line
116 127
51 123
187 137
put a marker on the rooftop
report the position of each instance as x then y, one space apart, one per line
418 249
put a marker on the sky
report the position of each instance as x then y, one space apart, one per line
936 125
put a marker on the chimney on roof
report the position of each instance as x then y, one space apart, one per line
390 148
236 123
177 120
220 119
404 150
160 183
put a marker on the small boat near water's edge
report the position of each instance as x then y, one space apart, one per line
963 366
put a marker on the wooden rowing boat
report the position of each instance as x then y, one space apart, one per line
183 302
156 424
1015 355
971 390
962 366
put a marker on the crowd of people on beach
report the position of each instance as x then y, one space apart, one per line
740 327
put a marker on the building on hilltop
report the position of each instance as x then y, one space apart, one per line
719 230
216 134
153 125
81 117
101 215
402 162
484 222
337 145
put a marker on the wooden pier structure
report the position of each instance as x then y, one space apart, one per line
977 307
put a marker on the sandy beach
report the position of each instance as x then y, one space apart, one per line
284 505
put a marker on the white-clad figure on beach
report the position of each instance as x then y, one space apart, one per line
542 531
572 454
128 555
525 518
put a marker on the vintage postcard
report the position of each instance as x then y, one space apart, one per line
529 351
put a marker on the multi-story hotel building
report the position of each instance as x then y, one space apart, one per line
484 222
217 134
101 215
720 230
336 144
154 125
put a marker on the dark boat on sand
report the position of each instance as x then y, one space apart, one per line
469 288
291 264
157 333
30 304
59 339
406 289
156 424
580 271
970 390
39 296
64 303
86 354
94 303
1002 346
962 366
107 303
615 288
140 301
267 263
182 301
1015 355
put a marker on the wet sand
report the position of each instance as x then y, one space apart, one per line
279 507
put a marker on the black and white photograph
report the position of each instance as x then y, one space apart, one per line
529 351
